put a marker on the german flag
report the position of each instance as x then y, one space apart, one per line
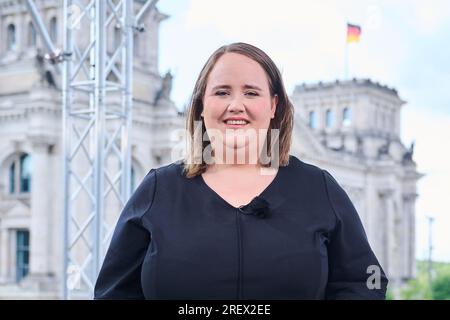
353 33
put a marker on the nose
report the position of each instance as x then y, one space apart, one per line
236 105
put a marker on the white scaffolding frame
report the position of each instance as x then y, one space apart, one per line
97 118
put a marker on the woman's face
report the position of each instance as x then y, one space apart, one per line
237 88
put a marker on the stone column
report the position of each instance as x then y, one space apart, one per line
40 210
392 240
4 249
409 239
372 212
383 236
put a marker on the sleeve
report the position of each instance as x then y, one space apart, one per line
354 271
120 275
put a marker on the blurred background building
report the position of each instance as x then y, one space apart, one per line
351 128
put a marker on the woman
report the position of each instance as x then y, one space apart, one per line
226 224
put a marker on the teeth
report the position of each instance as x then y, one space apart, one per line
236 122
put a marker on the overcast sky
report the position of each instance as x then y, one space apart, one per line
404 44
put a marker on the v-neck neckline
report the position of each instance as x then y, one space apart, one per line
261 194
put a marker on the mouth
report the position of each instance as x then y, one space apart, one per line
235 124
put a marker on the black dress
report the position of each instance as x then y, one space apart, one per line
301 238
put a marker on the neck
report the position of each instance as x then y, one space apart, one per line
237 157
238 163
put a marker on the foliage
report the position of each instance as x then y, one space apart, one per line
419 288
441 287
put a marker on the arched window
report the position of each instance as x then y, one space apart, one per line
11 37
312 120
329 118
20 174
346 117
31 35
54 29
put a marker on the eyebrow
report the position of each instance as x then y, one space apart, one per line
246 86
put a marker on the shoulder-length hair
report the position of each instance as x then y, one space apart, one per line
284 113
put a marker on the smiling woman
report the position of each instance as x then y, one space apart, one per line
240 88
237 96
227 229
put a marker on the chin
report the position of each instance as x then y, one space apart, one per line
236 146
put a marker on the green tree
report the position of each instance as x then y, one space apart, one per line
416 289
441 287
419 288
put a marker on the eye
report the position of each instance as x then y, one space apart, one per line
252 93
221 93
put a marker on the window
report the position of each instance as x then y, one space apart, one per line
12 177
25 173
11 37
329 118
312 120
20 174
22 254
347 117
54 29
132 179
31 35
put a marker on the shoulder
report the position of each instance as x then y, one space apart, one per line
173 169
158 178
302 165
320 180
305 171
166 176
316 178
311 170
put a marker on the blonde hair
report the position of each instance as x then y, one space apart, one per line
284 114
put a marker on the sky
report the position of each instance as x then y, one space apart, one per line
404 44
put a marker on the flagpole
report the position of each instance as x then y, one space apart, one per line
346 61
346 50
353 34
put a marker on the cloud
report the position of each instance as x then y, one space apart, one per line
307 39
429 18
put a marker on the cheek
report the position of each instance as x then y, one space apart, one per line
212 109
260 113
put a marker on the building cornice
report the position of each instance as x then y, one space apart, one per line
348 85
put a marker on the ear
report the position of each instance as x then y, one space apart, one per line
274 105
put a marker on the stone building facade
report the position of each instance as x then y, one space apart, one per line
352 129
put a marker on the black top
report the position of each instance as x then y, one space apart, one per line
301 238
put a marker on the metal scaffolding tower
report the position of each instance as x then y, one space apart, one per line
97 104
